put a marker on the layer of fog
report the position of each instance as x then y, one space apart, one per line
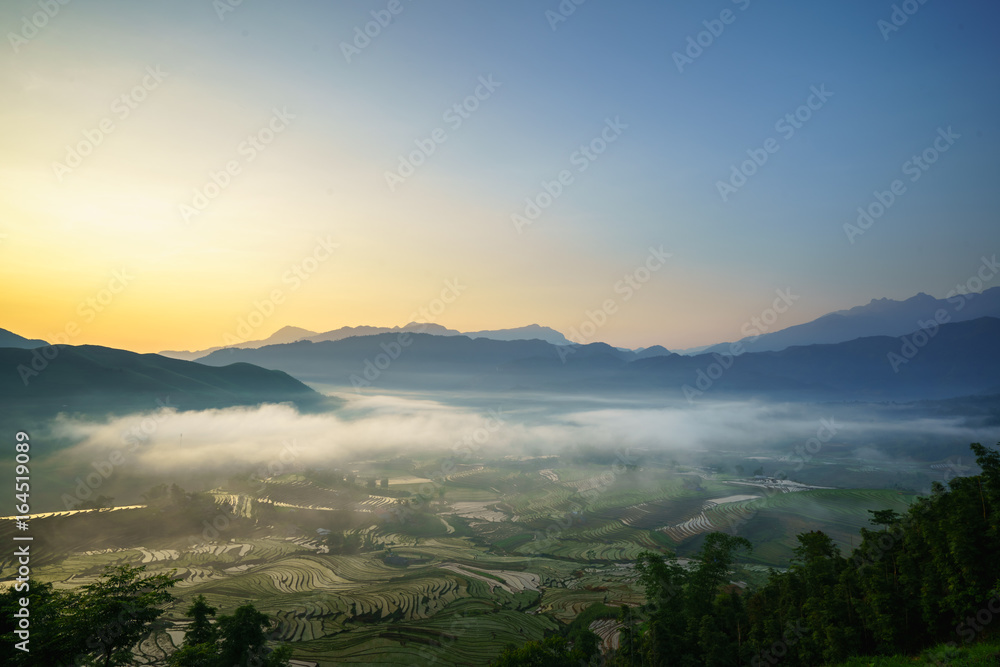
170 443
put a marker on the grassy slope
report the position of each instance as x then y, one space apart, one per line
975 655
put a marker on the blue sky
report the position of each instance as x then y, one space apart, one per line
559 83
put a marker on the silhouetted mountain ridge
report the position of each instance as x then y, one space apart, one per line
11 339
295 334
958 359
879 317
102 380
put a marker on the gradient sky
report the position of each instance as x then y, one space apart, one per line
189 282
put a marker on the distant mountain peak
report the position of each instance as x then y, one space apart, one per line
291 334
879 317
290 330
11 339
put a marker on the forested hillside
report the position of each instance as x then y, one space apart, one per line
931 576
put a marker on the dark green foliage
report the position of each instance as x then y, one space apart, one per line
195 655
340 542
552 651
690 611
102 622
576 645
118 610
236 640
243 641
201 630
99 624
50 636
911 584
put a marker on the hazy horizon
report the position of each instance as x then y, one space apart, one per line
187 167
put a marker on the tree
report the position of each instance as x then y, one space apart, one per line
628 642
244 642
340 542
910 584
51 641
664 581
195 655
201 630
883 518
715 560
552 651
116 612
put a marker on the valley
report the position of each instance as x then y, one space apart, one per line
444 570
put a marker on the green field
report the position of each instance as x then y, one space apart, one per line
500 553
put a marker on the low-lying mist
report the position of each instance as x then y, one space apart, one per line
205 447
169 441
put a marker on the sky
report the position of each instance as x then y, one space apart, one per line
176 175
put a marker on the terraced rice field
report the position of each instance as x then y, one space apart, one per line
510 581
462 636
609 632
483 511
718 514
839 513
507 554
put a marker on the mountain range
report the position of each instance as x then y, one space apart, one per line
294 334
11 339
952 359
880 317
920 348
89 379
